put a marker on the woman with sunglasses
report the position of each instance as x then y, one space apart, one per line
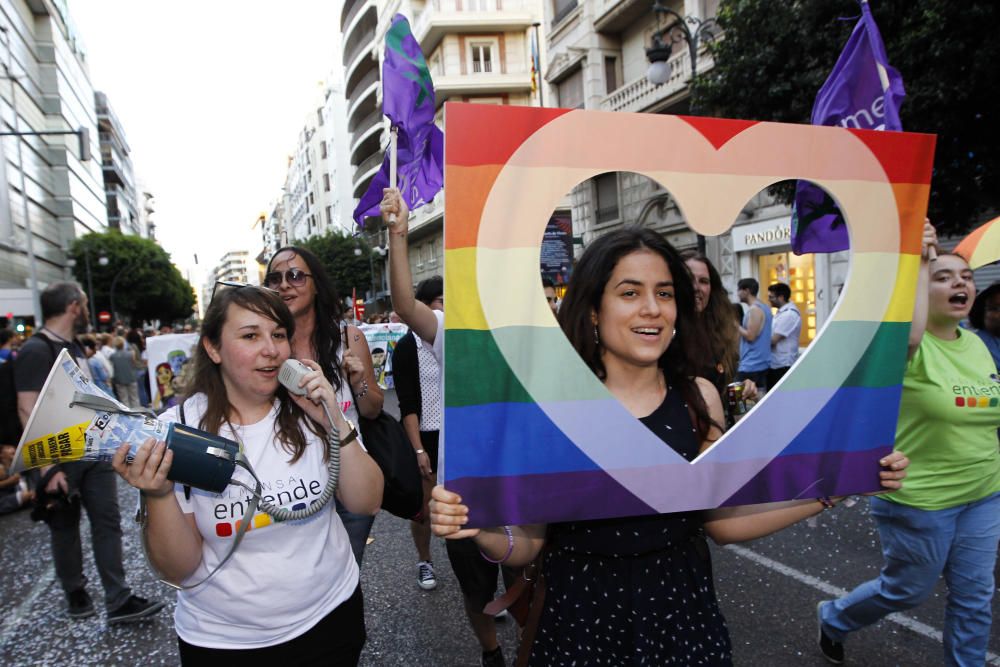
639 590
290 594
306 288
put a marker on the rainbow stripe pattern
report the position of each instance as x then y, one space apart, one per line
532 435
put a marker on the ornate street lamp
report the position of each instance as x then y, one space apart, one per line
686 29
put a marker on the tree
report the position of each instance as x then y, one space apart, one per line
337 252
774 57
146 285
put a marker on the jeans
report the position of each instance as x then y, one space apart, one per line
97 485
919 546
358 526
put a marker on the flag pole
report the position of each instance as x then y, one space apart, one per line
393 132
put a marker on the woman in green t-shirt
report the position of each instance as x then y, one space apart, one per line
946 520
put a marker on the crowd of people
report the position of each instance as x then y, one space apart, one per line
943 519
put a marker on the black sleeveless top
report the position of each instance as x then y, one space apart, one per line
633 591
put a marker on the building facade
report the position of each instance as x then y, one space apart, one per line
597 60
119 175
477 51
51 186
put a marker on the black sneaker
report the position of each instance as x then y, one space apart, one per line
832 650
134 609
493 658
80 604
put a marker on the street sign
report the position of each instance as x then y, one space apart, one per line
104 316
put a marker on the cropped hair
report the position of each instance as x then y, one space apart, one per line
429 289
977 315
57 297
749 284
782 290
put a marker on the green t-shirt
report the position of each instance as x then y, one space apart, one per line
948 423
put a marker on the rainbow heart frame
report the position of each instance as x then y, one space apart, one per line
534 437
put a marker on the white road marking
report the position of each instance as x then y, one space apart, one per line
836 592
21 610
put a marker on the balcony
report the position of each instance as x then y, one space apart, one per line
641 95
361 105
424 217
480 85
352 9
361 74
446 17
366 81
613 16
364 172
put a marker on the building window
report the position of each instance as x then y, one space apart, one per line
482 57
610 75
606 191
561 9
311 199
326 182
322 149
319 116
570 91
329 216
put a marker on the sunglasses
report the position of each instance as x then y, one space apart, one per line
236 285
294 277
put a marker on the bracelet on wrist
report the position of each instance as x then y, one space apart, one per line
826 502
510 548
419 452
358 395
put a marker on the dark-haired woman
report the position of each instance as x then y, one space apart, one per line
307 290
634 591
985 318
290 594
721 335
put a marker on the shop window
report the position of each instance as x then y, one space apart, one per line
799 273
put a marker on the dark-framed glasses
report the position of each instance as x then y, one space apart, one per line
294 277
238 285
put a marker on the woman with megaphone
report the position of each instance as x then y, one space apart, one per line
291 593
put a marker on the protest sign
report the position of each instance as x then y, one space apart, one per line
382 339
533 436
168 358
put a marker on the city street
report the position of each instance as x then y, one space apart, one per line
768 591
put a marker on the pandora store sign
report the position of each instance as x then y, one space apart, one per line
765 234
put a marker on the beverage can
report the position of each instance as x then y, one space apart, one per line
734 397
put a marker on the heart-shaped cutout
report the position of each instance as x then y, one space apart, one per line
535 437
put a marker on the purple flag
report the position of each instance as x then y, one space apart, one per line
408 101
862 92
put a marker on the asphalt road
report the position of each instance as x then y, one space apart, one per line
768 590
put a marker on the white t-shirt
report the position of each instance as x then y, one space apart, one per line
788 323
429 373
284 577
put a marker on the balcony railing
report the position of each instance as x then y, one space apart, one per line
362 127
371 161
640 94
357 48
355 8
366 80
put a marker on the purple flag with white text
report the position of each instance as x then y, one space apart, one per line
408 101
862 92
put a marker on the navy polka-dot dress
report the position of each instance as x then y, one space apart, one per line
634 591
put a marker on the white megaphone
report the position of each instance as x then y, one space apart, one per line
74 420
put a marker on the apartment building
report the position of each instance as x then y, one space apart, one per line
49 193
597 60
477 51
119 174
